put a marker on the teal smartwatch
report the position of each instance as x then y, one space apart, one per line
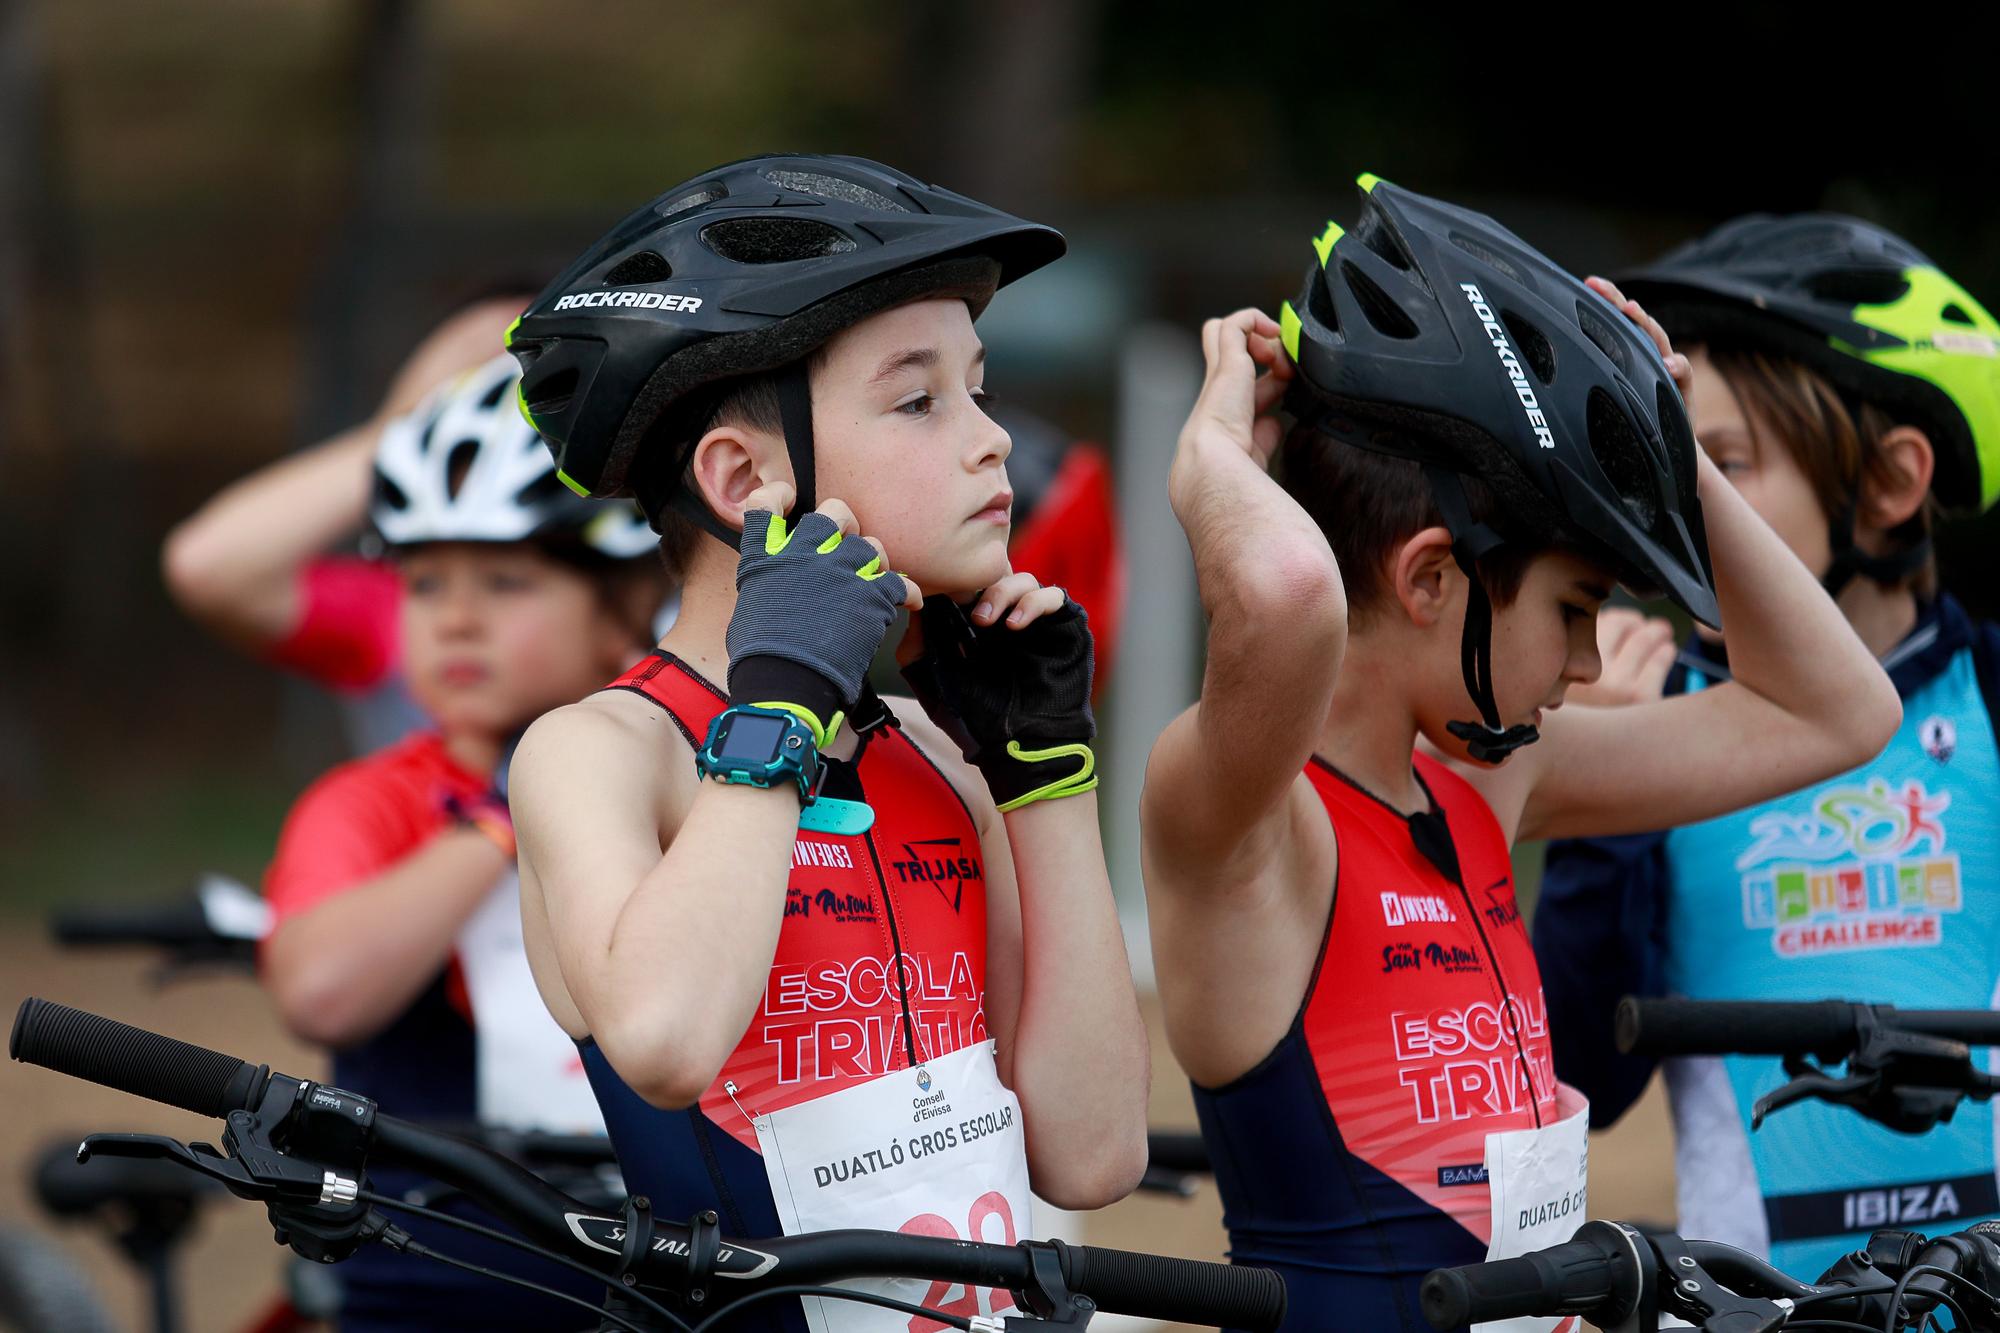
761 747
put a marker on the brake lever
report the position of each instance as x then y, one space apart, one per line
290 1182
1909 1081
1687 1290
1848 1090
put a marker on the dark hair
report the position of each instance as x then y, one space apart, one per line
1368 503
665 462
1836 441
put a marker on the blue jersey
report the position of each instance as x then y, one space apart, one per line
1881 885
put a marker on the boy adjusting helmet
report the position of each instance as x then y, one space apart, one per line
1871 313
744 269
704 837
1431 332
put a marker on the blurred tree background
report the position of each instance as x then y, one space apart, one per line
223 222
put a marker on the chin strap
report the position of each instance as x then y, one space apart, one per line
1850 560
795 415
1486 740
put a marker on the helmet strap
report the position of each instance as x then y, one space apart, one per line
1850 560
1486 740
795 410
795 416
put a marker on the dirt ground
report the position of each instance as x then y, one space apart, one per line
232 1268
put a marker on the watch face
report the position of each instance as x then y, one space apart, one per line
751 740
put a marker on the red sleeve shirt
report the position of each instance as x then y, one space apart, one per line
349 635
362 818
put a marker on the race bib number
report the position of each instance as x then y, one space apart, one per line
933 1151
1539 1181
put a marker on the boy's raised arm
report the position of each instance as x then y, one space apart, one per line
1807 700
234 564
1276 610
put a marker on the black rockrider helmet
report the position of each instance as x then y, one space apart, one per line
1431 332
741 270
1869 312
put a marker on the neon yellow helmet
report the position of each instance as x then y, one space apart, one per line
1861 306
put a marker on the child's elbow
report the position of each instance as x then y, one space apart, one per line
319 1011
667 1069
1095 1175
1877 718
196 577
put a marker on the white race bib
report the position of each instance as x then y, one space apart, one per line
1539 1179
529 1074
932 1151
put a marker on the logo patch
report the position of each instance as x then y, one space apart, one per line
1474 1174
841 907
1939 735
1403 909
1862 868
940 863
628 299
1496 333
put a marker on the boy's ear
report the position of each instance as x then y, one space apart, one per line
1417 573
731 462
1891 502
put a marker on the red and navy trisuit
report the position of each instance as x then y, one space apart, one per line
1351 1159
880 964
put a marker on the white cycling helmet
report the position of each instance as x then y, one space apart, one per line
464 467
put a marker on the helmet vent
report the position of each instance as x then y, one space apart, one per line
388 495
1533 346
1858 286
1319 303
458 463
1374 233
491 398
822 186
1623 456
640 268
766 240
1955 314
707 194
1598 331
1488 256
553 394
1389 319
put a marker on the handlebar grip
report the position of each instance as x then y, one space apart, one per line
1572 1278
169 925
133 1060
1154 1286
1825 1028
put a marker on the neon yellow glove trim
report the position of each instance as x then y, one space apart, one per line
823 736
1077 783
571 482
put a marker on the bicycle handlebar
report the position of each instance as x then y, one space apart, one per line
145 1064
1828 1029
1575 1277
160 1068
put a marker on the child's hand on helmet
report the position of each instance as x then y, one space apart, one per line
812 605
1234 410
1677 365
1638 652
